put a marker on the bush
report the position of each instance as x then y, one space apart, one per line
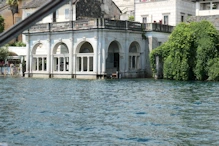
213 69
187 53
18 44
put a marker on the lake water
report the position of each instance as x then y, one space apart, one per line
49 112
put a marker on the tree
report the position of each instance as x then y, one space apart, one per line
3 53
13 4
1 24
131 18
191 52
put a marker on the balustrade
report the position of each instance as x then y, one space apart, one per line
100 23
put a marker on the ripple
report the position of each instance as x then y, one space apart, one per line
108 112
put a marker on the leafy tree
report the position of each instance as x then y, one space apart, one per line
1 24
131 18
13 4
4 53
190 52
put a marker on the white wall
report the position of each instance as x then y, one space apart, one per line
155 10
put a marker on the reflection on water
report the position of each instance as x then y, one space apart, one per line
108 112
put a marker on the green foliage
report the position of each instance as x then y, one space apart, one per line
131 18
213 69
2 23
187 53
19 44
4 53
12 2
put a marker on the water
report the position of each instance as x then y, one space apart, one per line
49 112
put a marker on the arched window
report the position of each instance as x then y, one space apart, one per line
134 56
85 58
61 58
39 58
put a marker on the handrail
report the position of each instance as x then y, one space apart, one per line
21 26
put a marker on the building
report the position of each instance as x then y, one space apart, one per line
169 12
75 10
127 8
207 8
6 13
90 45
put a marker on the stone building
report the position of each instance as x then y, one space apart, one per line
87 45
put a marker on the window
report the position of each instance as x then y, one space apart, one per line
182 18
144 20
66 13
166 19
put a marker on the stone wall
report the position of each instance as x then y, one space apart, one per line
87 8
214 19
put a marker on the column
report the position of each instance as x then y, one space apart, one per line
37 63
27 74
49 60
88 63
131 65
58 64
64 63
82 64
136 62
43 66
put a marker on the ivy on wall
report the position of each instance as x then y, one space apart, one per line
191 53
1 24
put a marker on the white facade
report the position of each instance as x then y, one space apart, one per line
206 8
169 12
87 53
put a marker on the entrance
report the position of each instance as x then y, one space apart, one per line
113 59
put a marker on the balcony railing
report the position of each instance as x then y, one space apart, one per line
99 24
157 27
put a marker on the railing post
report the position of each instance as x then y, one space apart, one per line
126 25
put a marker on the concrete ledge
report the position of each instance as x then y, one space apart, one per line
86 76
61 76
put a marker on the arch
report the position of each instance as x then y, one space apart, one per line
134 47
85 57
60 48
39 58
60 57
114 43
113 57
134 56
39 49
86 48
83 44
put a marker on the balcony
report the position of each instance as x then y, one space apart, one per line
157 27
98 24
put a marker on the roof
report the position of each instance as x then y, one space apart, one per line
37 3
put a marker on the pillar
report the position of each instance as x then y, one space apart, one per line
43 64
64 64
49 60
58 64
88 63
27 74
37 63
82 64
